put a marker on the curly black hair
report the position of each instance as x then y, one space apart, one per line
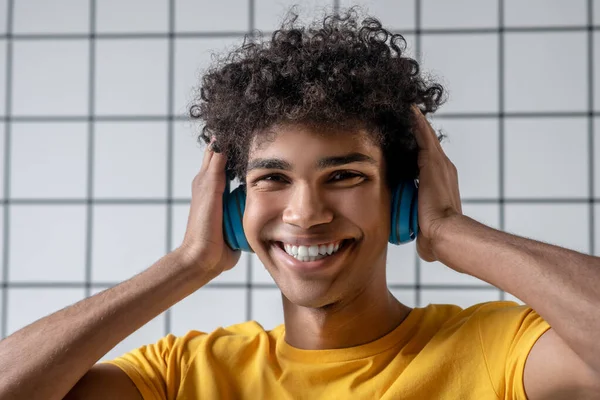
338 72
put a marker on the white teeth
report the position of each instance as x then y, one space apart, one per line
330 248
311 253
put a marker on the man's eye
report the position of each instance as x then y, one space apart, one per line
335 177
344 175
271 178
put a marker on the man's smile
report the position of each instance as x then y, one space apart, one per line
311 257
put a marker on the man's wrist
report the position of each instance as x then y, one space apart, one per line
446 230
190 262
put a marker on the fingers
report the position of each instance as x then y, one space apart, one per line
426 137
214 162
213 152
217 163
208 153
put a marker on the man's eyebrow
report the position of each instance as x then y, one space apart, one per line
327 162
268 163
336 161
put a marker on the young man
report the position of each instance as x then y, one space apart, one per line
321 126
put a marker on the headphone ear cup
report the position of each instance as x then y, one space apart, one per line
234 204
404 216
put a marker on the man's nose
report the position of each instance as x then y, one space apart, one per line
306 208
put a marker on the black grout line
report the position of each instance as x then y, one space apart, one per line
502 28
95 118
160 118
419 58
240 34
251 18
170 149
521 114
91 141
123 36
501 137
7 162
590 101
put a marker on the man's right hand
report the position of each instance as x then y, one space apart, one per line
203 245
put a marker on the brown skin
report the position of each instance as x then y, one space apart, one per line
347 303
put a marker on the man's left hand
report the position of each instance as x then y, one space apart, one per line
439 197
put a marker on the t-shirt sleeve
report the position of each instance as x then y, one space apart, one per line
158 369
507 333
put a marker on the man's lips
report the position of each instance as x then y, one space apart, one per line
295 241
342 243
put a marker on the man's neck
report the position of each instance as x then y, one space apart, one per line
358 321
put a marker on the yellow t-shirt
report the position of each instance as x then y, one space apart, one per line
439 352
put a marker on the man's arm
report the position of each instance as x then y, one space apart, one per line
561 285
46 359
104 381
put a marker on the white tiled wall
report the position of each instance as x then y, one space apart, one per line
43 17
49 77
545 13
218 16
131 77
526 140
114 16
441 14
467 65
563 58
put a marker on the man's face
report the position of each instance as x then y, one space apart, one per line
314 188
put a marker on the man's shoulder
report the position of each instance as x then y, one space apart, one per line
249 329
495 323
450 316
498 312
223 338
479 309
240 333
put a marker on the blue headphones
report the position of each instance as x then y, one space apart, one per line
405 225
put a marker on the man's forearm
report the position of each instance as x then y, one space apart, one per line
561 285
46 359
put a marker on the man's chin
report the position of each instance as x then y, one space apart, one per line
308 300
308 294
